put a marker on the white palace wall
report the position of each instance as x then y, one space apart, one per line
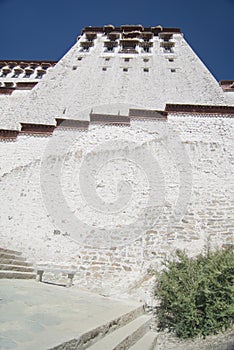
78 84
194 155
113 200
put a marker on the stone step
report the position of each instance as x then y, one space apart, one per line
147 342
94 335
124 337
9 251
17 274
16 268
6 261
11 256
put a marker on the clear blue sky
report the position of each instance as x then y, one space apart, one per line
46 29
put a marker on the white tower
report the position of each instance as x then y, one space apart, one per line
133 94
131 65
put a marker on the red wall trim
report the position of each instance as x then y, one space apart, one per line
147 114
109 119
36 128
206 109
8 134
71 123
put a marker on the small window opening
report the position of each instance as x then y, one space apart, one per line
79 58
109 49
9 85
74 67
27 75
85 49
146 69
104 68
126 59
168 50
173 70
107 59
125 69
146 60
171 59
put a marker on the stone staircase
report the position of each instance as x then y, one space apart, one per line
147 342
13 265
135 335
131 331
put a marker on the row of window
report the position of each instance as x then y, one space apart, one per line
127 59
26 75
130 50
173 70
134 34
125 69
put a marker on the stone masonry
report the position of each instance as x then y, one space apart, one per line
167 175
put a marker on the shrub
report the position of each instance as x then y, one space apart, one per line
196 295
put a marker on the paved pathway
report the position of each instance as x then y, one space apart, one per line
39 316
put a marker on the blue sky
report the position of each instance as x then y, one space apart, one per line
46 29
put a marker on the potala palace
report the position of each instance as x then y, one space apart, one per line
115 156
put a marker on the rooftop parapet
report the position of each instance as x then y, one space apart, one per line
227 85
21 75
130 28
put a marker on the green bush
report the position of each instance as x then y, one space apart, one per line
196 295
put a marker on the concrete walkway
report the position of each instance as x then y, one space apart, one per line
40 316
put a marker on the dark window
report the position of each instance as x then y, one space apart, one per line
85 49
168 50
15 75
109 49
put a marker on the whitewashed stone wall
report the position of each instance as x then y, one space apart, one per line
27 224
184 165
230 97
75 87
